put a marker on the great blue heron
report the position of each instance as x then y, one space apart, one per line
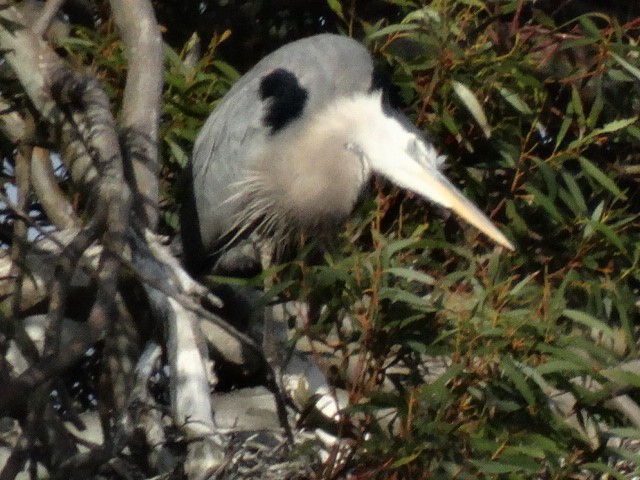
290 147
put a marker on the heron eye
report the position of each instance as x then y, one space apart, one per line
424 153
356 150
415 149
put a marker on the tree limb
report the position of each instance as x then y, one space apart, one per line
140 116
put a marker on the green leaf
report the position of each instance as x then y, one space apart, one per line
399 295
604 468
617 125
396 28
522 283
336 7
450 124
595 217
396 246
470 101
550 178
515 101
599 176
494 468
177 152
564 127
515 220
621 378
598 104
544 201
626 432
589 321
619 76
608 233
518 379
576 103
633 70
227 70
412 275
576 194
589 27
408 459
563 367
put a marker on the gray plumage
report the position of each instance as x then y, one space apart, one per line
291 145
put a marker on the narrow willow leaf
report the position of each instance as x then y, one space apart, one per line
589 321
474 3
629 455
227 70
599 176
524 458
566 123
568 200
493 468
525 281
608 233
577 44
576 101
396 28
543 201
625 432
618 125
598 104
515 220
406 460
574 189
589 27
621 378
563 367
470 101
412 275
394 247
175 80
633 70
336 7
424 14
518 379
619 75
514 99
634 131
177 152
595 216
403 3
398 295
448 122
604 468
550 178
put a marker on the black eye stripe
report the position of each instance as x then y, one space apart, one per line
286 98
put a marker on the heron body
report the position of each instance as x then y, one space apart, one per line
290 147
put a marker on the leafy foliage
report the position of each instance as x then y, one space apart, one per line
410 284
557 173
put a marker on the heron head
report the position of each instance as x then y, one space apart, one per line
393 149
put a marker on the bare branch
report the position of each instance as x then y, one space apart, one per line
11 122
20 227
36 66
46 17
92 145
30 58
59 211
140 116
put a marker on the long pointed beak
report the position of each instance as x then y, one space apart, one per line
425 179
